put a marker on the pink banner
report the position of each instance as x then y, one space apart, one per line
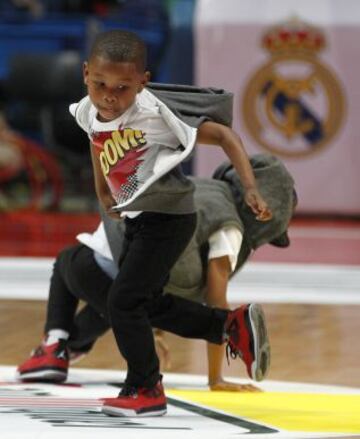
294 70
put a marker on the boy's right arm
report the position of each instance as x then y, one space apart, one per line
102 189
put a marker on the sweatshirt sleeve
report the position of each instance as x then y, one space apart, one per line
195 105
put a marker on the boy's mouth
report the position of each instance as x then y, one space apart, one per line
108 112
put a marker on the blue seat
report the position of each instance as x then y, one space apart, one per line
42 36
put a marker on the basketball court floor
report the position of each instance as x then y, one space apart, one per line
311 296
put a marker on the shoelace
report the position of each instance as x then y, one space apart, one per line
128 391
62 351
232 352
132 391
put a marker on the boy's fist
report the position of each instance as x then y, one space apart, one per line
257 204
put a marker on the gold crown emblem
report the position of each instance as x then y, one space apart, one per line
292 37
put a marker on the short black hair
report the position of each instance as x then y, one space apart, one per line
120 46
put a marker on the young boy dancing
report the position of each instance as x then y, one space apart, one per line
226 235
137 145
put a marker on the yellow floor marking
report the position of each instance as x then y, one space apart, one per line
310 412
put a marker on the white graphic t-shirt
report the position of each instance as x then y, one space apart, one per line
138 147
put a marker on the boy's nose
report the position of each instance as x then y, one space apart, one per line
109 98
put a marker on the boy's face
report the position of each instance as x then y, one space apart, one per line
113 86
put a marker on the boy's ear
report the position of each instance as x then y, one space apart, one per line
144 81
85 72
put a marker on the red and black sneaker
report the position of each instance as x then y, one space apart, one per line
246 337
137 401
46 363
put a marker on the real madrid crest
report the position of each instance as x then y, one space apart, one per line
293 105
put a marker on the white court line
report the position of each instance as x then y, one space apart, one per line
296 283
28 278
324 233
188 381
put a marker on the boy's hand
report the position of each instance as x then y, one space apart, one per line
227 386
257 204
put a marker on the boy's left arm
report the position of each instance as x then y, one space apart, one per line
212 133
218 274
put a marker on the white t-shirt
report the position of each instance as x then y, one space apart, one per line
97 241
141 127
224 242
134 149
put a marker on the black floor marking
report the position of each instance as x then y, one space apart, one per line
85 418
238 422
217 416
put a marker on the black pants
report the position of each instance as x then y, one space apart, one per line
134 301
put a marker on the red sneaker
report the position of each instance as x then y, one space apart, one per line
139 401
46 363
247 338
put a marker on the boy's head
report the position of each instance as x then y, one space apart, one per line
277 187
115 72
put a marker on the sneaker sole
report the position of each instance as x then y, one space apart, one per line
261 364
53 376
115 411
